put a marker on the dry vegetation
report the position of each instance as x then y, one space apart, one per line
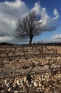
30 69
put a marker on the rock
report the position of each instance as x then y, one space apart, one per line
58 58
39 85
39 78
31 76
7 84
16 91
5 81
14 85
35 84
25 79
21 84
9 89
2 91
32 81
18 82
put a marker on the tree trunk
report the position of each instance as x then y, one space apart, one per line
30 41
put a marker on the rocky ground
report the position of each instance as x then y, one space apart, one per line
31 75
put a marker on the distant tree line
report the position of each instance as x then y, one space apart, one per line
46 44
5 43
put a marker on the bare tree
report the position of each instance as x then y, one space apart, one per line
28 27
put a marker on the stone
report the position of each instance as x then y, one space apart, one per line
9 89
18 82
16 91
7 84
21 84
2 91
39 85
25 79
5 81
35 84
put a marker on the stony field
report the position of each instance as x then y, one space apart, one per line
30 69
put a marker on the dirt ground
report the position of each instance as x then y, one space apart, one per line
55 47
44 72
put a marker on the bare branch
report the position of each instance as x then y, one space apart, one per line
28 27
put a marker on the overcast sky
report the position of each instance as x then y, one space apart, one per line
12 10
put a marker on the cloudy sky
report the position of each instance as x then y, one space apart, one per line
12 10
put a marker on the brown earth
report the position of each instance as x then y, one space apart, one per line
21 67
56 47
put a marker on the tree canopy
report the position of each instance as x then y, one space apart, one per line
28 27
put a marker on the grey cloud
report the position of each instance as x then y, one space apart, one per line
48 23
52 28
9 15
